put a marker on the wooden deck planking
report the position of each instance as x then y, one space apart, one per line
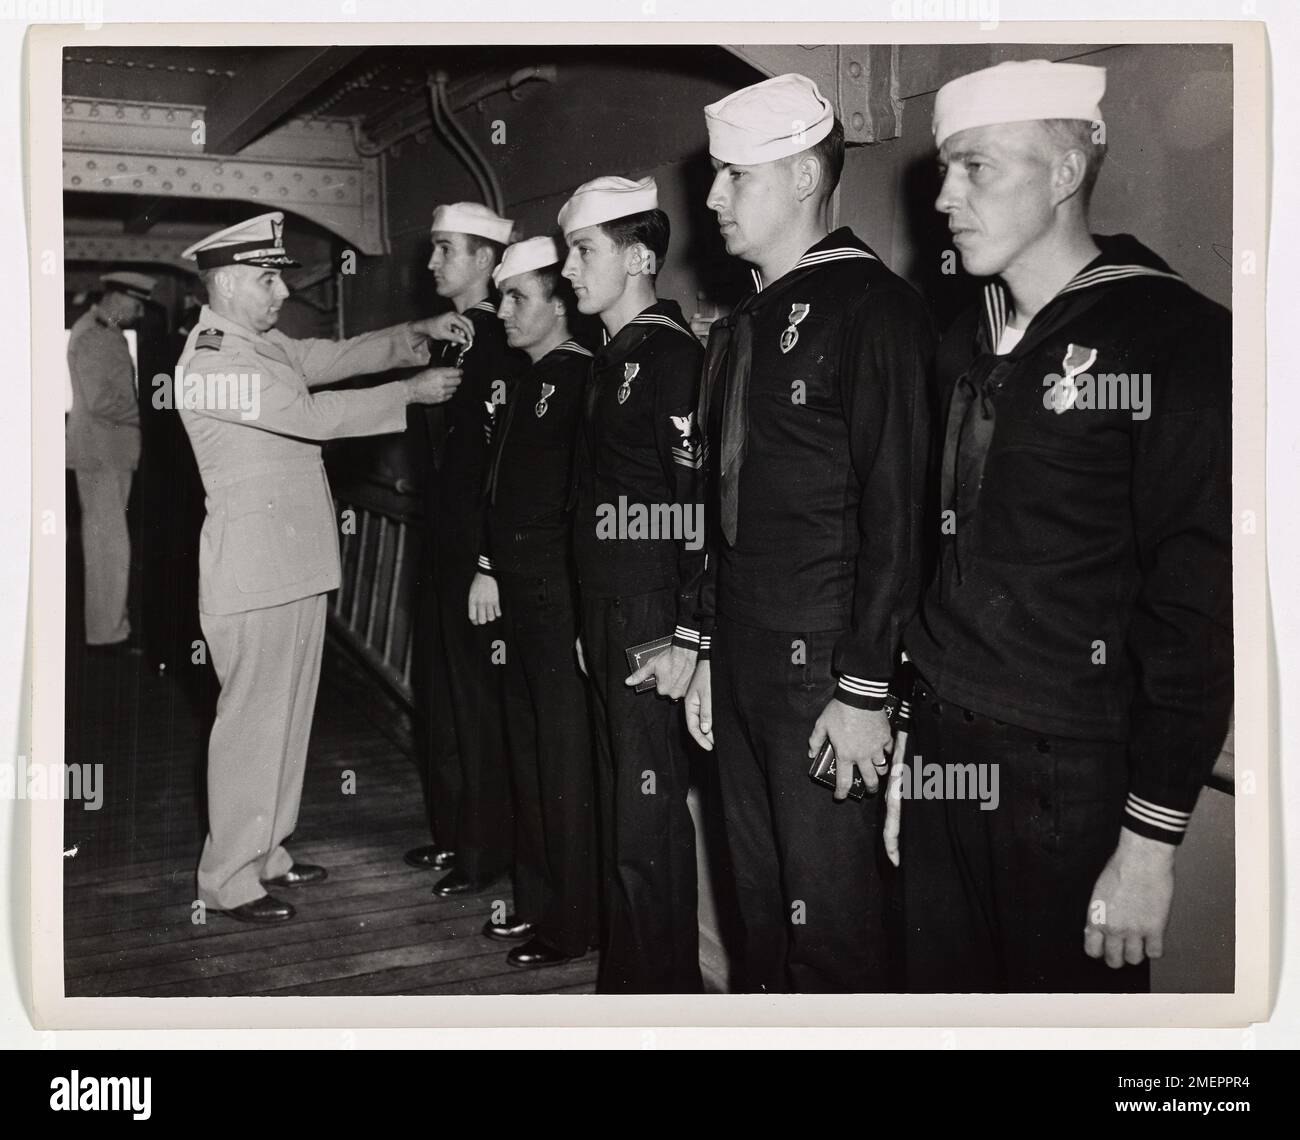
373 927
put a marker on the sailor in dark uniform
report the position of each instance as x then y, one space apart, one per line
1077 638
469 793
815 411
639 548
526 579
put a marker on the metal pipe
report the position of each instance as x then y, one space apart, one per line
544 73
458 138
452 139
496 198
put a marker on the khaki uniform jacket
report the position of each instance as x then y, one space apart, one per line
271 535
103 429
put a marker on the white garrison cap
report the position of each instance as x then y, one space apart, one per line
606 198
524 256
258 241
473 218
1017 92
768 120
138 285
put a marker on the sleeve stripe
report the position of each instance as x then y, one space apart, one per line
706 641
685 634
864 688
484 562
1152 820
1171 814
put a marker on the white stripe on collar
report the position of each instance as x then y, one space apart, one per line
571 346
819 257
995 311
997 301
660 319
486 306
1106 273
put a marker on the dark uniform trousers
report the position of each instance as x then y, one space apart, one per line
648 868
996 901
440 774
548 725
472 660
810 872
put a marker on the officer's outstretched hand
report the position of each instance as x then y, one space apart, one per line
861 738
699 706
433 385
484 599
1130 902
446 326
670 669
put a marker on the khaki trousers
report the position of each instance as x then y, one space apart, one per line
268 662
106 546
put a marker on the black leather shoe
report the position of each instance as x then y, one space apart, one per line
300 874
512 930
457 883
431 858
534 954
264 910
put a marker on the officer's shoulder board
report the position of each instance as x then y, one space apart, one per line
208 338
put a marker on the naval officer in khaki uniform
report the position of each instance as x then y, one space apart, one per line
268 552
103 449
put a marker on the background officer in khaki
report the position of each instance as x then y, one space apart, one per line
103 448
268 552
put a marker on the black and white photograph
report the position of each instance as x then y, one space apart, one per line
653 518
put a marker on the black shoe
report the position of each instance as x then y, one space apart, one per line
264 910
534 954
512 930
457 883
298 875
431 858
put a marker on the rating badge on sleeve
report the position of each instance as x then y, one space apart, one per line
790 337
629 374
539 408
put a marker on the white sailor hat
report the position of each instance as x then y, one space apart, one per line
1018 92
473 218
258 241
769 120
524 256
607 198
137 285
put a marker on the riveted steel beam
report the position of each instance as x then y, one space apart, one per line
310 167
861 80
125 248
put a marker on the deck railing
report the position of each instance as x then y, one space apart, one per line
382 533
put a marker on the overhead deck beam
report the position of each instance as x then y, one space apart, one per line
310 167
269 85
